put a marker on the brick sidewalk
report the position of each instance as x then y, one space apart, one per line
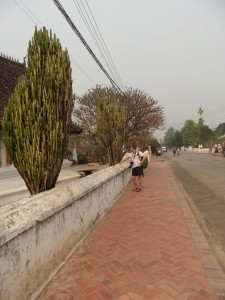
148 246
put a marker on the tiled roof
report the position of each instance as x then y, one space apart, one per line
10 71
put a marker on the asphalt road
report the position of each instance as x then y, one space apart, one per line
203 179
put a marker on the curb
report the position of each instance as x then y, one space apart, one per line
208 254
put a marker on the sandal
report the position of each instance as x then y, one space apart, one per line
138 190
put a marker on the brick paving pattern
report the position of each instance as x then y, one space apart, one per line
148 246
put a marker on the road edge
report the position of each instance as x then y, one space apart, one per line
210 252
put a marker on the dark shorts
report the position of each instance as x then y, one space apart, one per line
138 171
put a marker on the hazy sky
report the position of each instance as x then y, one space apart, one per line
172 49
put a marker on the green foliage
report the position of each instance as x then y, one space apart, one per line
110 121
173 138
37 117
194 134
178 139
190 133
205 135
169 137
100 154
82 159
154 144
220 129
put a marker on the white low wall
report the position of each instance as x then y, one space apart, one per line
37 233
197 150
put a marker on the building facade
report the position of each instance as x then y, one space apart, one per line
10 71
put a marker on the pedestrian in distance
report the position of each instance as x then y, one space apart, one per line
136 159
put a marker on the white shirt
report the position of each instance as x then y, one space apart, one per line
135 158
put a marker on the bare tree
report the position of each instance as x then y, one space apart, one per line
142 114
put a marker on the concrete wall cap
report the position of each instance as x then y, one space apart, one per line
23 214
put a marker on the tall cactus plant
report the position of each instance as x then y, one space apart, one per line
37 117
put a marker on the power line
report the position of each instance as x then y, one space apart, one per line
91 32
106 48
102 46
25 12
33 20
33 17
57 3
31 13
79 67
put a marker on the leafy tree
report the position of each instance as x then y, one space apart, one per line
196 133
38 114
154 143
110 123
178 139
169 137
205 135
220 130
173 138
190 133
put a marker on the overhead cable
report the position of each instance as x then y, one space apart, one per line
33 20
29 16
79 67
99 41
57 3
105 46
76 3
31 12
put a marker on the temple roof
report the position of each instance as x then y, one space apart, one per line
10 71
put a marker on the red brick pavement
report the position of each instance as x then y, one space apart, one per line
148 246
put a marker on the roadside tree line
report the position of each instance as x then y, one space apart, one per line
194 134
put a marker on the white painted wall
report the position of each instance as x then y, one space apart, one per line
203 150
37 233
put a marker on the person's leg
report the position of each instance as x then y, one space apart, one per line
134 180
140 182
139 179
